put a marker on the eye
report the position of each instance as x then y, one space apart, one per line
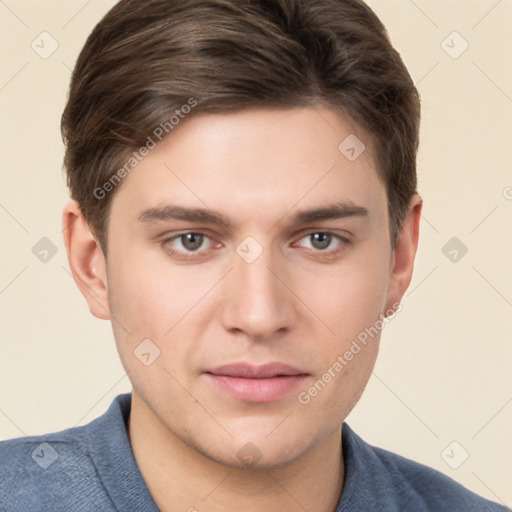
189 242
322 241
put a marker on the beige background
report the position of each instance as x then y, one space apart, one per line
444 368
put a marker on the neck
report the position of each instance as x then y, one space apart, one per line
180 478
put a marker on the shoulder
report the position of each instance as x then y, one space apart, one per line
406 484
418 482
36 469
57 471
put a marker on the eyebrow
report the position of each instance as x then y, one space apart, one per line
332 212
207 216
172 212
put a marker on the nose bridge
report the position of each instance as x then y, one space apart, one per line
258 302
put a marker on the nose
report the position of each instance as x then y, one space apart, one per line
257 302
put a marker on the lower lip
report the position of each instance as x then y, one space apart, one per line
257 390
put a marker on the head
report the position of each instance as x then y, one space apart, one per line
243 183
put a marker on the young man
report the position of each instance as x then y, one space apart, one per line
244 209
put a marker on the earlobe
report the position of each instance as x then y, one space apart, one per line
402 260
86 260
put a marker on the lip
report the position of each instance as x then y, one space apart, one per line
265 383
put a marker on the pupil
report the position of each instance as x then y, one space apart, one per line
321 240
192 241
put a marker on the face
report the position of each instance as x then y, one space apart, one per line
252 254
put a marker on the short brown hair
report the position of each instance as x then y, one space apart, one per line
146 60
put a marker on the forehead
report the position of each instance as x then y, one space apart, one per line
256 161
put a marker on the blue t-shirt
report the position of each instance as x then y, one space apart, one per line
92 468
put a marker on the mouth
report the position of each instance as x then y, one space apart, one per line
250 383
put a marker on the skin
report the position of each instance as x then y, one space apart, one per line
296 303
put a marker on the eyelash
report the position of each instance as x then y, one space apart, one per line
194 254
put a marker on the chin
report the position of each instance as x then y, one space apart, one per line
260 450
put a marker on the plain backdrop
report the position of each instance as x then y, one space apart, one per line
441 389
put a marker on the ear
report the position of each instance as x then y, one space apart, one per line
402 259
86 260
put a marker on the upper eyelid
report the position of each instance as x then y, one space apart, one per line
324 231
167 238
341 239
297 236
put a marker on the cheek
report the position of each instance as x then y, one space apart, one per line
349 303
350 298
150 295
151 305
154 300
347 359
